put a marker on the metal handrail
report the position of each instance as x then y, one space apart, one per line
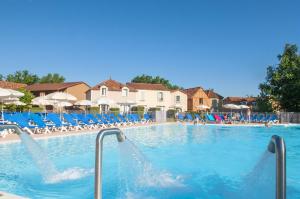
15 127
277 146
98 160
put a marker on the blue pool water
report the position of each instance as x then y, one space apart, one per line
165 161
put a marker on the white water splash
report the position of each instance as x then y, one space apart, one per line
69 174
260 182
46 167
141 171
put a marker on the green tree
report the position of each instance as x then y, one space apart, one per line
154 80
52 78
28 96
1 77
282 83
23 77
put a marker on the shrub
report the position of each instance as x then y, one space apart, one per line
139 110
171 113
115 111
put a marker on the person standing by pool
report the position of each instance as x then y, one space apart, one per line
248 114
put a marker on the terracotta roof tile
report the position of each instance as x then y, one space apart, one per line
239 99
52 86
11 85
112 85
191 91
212 94
148 86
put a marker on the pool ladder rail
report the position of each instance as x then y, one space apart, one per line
98 159
277 146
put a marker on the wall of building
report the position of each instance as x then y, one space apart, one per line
149 99
78 91
183 100
195 99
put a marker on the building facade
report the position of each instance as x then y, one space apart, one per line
216 100
158 96
196 96
112 94
77 89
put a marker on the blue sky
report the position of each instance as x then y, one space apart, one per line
225 45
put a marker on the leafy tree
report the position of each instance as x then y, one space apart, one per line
52 78
1 77
28 96
23 77
282 83
154 80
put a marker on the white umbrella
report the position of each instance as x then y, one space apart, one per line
83 103
63 104
203 107
105 101
7 94
14 93
244 106
231 106
61 96
41 101
18 103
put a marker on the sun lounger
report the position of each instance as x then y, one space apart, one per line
210 118
43 127
72 123
189 117
23 123
59 125
122 118
96 121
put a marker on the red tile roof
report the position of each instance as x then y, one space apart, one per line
212 94
148 86
112 85
191 91
52 86
11 85
239 99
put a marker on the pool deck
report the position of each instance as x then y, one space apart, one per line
13 138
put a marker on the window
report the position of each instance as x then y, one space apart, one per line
142 96
103 91
160 96
215 103
200 100
124 92
177 99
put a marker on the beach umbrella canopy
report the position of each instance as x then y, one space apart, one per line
8 95
244 106
203 107
18 103
41 101
61 96
83 103
231 106
104 101
14 93
4 93
63 104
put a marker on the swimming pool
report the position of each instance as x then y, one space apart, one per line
169 161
